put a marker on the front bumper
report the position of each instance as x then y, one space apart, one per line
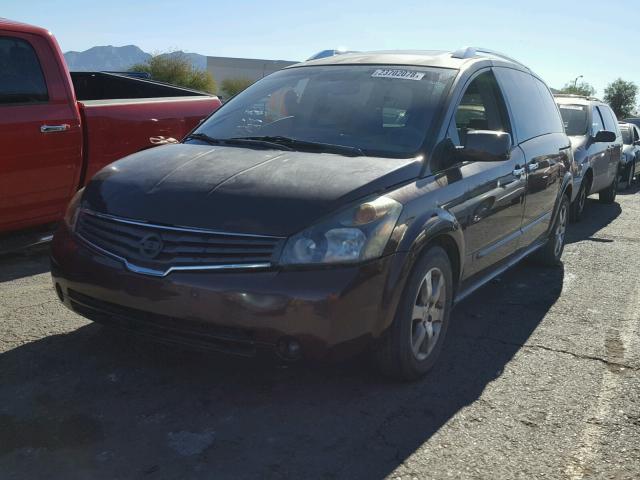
331 312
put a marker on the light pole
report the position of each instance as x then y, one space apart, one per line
575 82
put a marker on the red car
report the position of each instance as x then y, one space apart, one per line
58 128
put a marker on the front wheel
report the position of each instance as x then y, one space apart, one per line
551 253
412 344
631 169
608 195
577 207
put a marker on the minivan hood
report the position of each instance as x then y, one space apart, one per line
269 192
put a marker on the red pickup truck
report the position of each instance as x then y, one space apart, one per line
58 128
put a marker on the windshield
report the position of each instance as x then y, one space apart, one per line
574 118
627 135
379 111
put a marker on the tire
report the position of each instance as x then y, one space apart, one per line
551 253
576 211
626 177
400 354
632 174
608 195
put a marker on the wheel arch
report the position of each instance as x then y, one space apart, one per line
566 189
440 228
437 228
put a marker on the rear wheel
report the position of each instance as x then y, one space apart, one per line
608 195
551 253
412 344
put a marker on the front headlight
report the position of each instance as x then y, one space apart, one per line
73 210
356 234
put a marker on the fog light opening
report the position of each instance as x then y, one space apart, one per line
59 292
289 348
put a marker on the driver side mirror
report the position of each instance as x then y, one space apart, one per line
637 143
486 146
604 136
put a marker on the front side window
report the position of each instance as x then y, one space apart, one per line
481 108
532 107
610 121
596 122
574 118
381 110
21 78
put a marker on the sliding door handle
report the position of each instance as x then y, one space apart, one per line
55 128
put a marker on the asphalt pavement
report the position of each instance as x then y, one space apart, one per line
540 378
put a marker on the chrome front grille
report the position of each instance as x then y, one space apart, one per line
158 250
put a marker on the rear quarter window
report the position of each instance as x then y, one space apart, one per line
21 78
533 108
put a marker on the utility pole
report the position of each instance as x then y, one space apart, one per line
575 82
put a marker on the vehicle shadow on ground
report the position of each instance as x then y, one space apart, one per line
596 217
632 190
24 264
102 405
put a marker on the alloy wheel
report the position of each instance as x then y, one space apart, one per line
561 229
428 313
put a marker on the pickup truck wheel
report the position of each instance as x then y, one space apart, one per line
577 207
551 253
411 345
608 195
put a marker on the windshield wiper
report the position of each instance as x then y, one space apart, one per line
307 145
237 142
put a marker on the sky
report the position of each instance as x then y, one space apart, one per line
558 39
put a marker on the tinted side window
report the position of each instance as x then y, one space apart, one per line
21 78
554 123
610 121
596 121
481 108
531 110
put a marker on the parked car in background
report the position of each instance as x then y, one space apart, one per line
630 152
57 129
383 189
596 141
634 120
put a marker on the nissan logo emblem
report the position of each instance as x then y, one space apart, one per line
150 246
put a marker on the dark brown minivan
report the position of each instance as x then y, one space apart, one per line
340 203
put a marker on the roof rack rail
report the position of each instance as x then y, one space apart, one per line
470 52
574 95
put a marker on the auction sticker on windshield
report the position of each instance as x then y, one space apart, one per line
394 73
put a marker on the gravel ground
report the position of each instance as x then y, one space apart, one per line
540 379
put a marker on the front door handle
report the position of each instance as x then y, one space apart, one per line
55 128
533 166
518 172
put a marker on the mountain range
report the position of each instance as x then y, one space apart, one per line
112 58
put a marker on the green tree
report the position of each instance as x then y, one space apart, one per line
176 68
233 86
621 95
583 88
